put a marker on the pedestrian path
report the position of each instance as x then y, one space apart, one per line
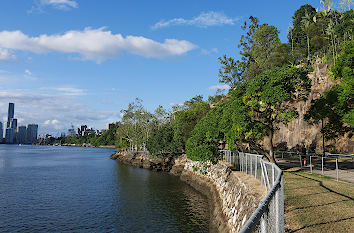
343 174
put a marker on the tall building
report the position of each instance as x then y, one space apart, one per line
13 123
1 132
31 133
10 135
21 135
10 114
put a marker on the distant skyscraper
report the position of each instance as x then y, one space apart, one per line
14 124
1 132
31 133
10 114
9 137
21 135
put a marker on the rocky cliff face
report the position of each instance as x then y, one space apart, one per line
298 133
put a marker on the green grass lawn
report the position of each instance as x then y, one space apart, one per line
317 204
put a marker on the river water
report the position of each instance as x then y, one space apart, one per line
75 189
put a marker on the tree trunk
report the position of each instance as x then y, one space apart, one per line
271 148
308 48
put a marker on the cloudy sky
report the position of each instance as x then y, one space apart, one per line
66 62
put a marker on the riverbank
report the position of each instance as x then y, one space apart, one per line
80 145
233 196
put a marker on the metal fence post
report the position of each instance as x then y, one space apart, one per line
310 164
300 161
250 165
255 169
246 162
322 166
337 168
273 175
264 222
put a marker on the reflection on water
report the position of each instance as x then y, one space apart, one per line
81 190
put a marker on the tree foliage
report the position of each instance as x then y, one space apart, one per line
161 143
186 118
254 111
135 124
203 144
298 35
234 71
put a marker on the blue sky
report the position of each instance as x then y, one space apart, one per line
81 62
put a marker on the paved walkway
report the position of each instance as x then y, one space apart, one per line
330 171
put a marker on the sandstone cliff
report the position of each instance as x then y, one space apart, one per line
298 133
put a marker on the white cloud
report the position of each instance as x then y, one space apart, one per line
219 87
6 55
28 75
53 113
68 91
207 52
94 44
53 123
39 5
28 72
60 4
205 19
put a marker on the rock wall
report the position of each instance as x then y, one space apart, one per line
234 196
298 133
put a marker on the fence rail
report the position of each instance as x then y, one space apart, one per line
269 216
338 166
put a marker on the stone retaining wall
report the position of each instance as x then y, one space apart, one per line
234 196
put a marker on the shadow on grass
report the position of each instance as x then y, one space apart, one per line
321 223
303 187
310 194
319 205
323 186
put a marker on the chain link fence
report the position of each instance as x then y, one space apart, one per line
338 166
269 216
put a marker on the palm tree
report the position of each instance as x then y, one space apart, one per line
306 21
331 32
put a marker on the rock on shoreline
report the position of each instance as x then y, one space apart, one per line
143 159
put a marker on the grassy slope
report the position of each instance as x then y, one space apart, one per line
318 204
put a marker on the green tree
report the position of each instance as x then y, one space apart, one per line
203 144
297 36
266 103
185 119
281 56
253 112
306 22
234 71
135 124
265 41
160 143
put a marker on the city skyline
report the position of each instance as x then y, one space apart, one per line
161 52
14 134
